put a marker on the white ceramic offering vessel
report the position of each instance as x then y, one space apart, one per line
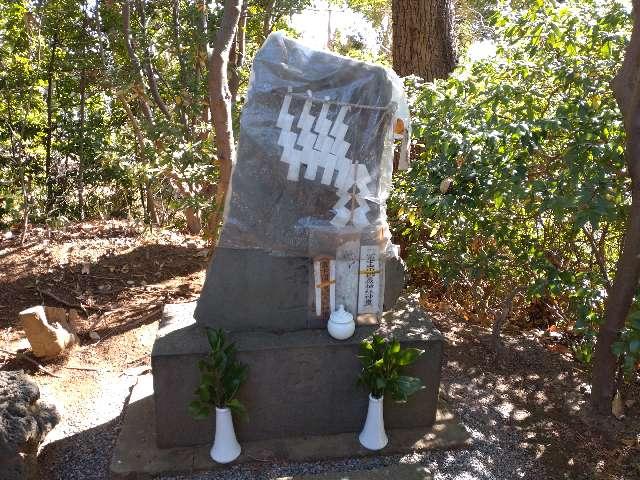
373 436
341 325
225 445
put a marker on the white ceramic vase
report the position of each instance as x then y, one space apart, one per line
373 435
341 325
225 445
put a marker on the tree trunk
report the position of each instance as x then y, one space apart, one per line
266 21
241 35
201 53
133 58
626 86
423 38
128 41
145 186
501 318
82 113
134 125
150 206
20 165
182 74
236 56
193 220
47 165
25 206
152 211
83 101
220 104
81 159
234 75
146 63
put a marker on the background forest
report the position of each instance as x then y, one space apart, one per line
515 207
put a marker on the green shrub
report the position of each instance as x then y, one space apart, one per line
519 182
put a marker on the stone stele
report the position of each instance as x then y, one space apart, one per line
304 230
308 190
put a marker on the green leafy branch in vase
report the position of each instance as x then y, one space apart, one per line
382 364
221 375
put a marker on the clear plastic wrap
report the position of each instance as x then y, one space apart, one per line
315 153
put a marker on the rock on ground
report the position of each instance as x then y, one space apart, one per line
47 339
24 422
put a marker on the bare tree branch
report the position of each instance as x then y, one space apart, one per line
146 63
599 256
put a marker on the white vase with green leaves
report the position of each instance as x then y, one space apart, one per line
382 364
221 376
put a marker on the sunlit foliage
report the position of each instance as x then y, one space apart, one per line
519 187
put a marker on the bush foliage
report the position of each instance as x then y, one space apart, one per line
518 191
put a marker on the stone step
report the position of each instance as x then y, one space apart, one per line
403 471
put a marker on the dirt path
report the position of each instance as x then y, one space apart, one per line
534 399
120 275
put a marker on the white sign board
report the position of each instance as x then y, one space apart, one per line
369 284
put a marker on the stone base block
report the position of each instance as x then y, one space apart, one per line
300 383
137 457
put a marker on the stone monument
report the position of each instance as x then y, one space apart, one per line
304 231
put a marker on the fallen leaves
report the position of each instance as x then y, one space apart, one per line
557 348
106 278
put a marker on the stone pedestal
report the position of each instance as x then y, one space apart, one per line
300 383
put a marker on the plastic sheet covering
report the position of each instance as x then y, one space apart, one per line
315 152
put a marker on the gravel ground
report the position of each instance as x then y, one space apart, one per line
80 447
